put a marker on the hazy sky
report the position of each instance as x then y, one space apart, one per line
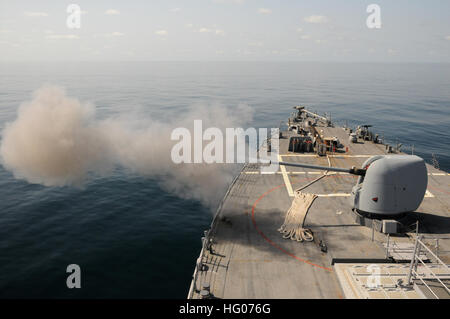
283 30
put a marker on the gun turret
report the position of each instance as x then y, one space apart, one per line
388 185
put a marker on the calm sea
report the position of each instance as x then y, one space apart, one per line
131 238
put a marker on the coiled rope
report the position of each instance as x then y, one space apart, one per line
295 217
293 227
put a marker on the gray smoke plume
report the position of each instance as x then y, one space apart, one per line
57 141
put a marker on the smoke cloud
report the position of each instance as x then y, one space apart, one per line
57 141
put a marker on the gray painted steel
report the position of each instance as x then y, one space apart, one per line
393 184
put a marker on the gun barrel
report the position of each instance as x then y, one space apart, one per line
353 170
324 168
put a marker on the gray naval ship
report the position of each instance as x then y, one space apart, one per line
346 216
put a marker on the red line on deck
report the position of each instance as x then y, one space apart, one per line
438 189
271 242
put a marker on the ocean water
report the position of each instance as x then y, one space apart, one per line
133 239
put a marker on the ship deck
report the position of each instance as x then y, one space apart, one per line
250 259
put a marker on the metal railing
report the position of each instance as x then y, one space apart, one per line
414 274
206 243
437 242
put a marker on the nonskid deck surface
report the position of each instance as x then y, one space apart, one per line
250 259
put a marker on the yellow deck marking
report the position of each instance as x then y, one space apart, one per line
300 155
294 173
314 155
334 195
427 194
290 189
287 182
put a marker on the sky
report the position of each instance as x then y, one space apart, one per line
225 30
